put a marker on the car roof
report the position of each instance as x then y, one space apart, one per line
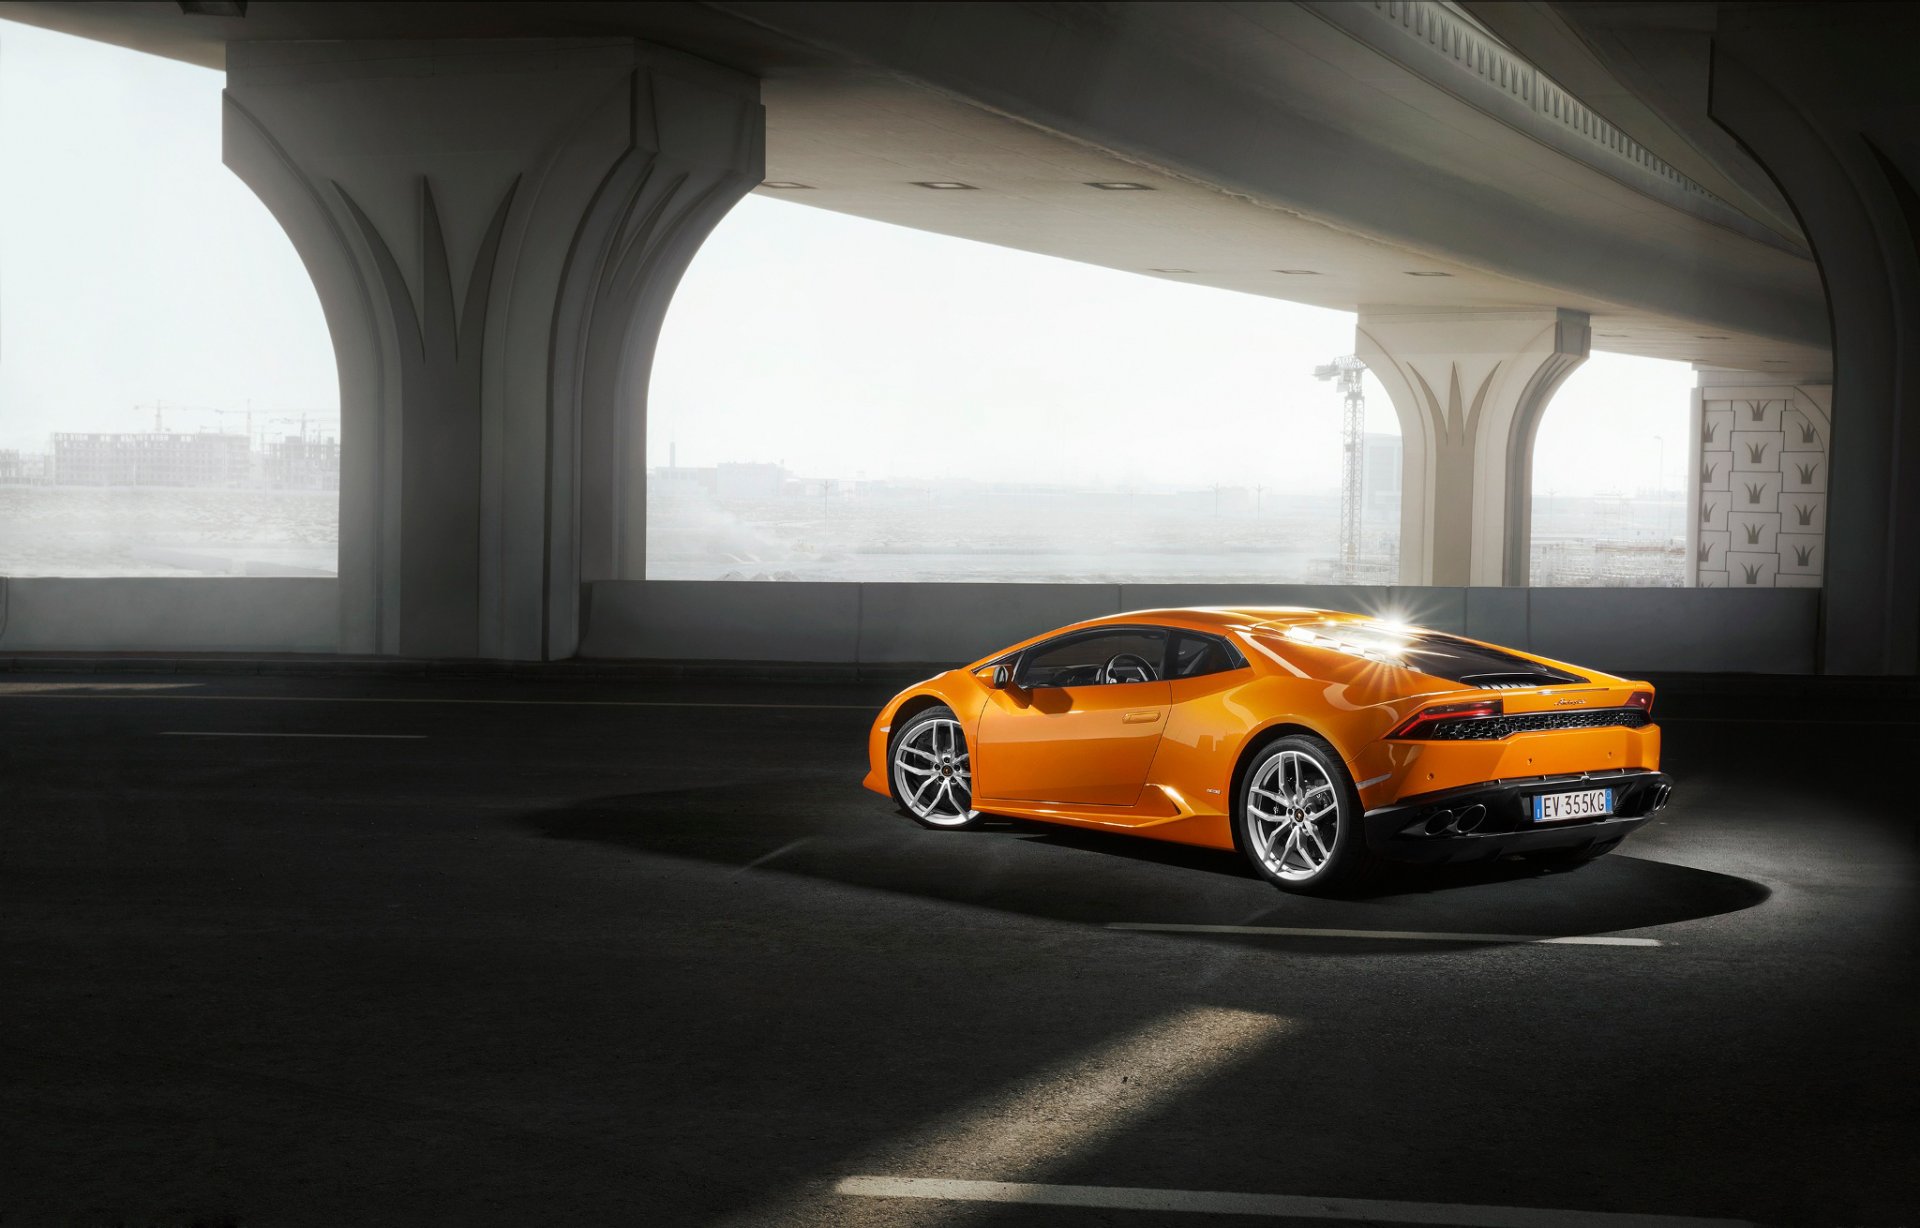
1252 617
1208 617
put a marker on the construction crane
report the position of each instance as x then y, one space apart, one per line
159 424
1346 371
320 423
224 414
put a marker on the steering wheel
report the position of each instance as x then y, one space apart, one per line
1130 661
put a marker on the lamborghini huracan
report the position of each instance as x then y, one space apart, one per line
1320 744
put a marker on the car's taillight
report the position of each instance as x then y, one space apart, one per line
1415 725
1642 700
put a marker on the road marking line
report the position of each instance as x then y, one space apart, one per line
1291 1206
372 699
205 733
1049 1116
1580 940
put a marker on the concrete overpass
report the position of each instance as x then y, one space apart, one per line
496 202
587 944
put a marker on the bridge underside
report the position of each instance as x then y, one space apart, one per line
450 923
1487 228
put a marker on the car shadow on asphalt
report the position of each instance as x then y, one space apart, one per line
1096 878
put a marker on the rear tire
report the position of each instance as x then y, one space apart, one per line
931 771
1298 819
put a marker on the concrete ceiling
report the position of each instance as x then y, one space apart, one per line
862 147
1648 63
1269 138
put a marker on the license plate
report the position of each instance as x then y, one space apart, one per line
1558 807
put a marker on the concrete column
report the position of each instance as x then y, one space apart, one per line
1469 387
1759 480
494 228
1826 98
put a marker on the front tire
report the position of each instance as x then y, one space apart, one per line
1298 818
932 772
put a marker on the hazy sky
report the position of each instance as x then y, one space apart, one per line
840 345
134 267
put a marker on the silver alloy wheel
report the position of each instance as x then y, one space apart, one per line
1293 816
932 774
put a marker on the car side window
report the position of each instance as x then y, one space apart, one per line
1197 655
1096 658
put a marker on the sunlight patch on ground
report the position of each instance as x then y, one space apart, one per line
1046 1121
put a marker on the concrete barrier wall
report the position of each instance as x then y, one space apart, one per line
1706 630
255 614
1709 630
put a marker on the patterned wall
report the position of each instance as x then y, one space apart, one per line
1760 486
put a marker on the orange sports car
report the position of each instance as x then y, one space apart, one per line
1318 743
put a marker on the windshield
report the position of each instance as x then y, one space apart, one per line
1430 652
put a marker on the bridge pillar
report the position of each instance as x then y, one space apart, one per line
1825 97
1469 388
494 229
1759 480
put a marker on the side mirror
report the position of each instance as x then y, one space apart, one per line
1000 679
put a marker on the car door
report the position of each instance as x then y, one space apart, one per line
1195 760
1080 724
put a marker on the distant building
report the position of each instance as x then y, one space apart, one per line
681 481
21 469
1380 472
734 481
153 458
304 464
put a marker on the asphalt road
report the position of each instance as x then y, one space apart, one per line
510 952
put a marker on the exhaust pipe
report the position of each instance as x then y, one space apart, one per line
1440 823
1470 819
1660 797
